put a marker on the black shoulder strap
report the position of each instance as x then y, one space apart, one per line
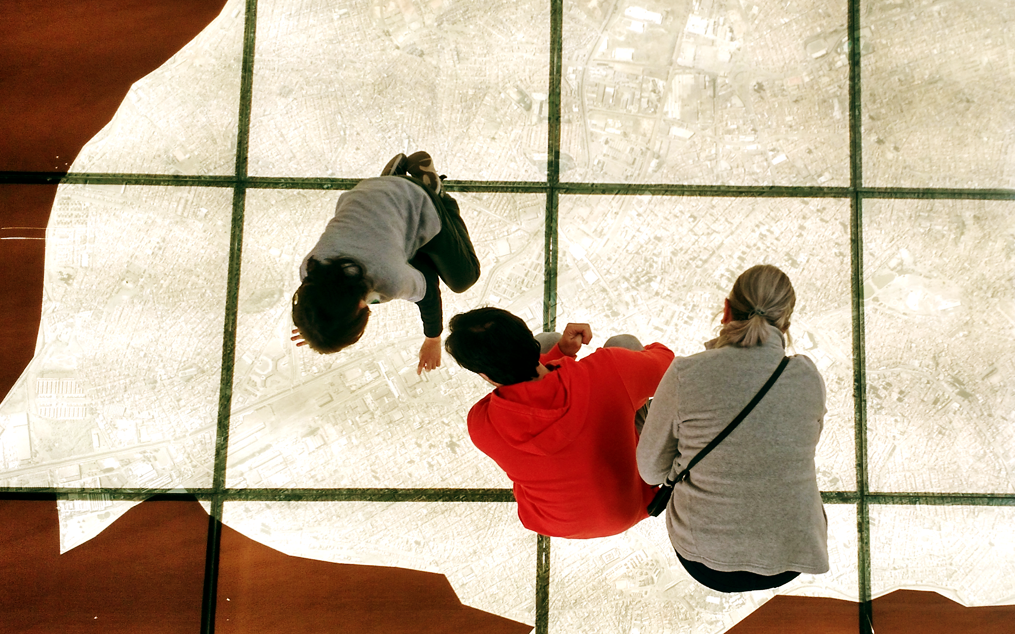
736 421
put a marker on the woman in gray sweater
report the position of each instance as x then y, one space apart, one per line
749 516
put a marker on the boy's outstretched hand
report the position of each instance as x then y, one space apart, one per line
297 337
429 355
575 335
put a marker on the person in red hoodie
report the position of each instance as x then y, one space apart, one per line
564 430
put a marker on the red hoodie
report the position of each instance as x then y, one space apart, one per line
567 441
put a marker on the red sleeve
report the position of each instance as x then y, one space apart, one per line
552 355
642 371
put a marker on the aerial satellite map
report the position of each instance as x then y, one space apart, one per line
905 293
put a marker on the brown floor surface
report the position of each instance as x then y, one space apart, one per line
65 67
145 573
901 612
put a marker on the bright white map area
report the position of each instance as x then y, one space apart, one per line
124 388
940 416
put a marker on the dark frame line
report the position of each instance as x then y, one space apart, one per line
865 616
210 590
552 169
542 625
515 187
264 495
542 603
371 495
383 495
935 193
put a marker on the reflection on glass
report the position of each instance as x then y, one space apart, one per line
937 97
632 583
717 92
85 518
939 313
481 548
659 268
962 552
181 118
362 417
339 89
123 390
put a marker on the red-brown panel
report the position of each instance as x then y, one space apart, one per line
65 67
901 612
915 612
789 615
145 573
263 590
24 212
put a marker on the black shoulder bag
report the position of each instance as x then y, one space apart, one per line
662 497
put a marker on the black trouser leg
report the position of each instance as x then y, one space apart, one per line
450 256
451 250
740 581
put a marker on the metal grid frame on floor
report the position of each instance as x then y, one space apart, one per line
862 498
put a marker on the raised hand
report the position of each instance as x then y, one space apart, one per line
575 335
297 337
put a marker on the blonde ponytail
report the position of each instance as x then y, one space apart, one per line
762 295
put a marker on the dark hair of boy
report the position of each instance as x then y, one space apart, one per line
326 307
493 342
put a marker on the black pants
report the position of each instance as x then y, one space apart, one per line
449 255
739 581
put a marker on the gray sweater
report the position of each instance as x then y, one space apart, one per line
381 223
753 503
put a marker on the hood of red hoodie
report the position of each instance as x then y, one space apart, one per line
541 417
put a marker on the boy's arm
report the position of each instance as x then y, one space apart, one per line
643 374
641 371
552 355
432 314
430 309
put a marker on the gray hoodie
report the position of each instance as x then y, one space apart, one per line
381 223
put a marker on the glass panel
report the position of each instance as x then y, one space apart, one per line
123 390
632 583
362 417
659 268
338 91
717 92
940 314
181 118
482 549
936 103
965 553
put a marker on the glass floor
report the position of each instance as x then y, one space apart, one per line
619 162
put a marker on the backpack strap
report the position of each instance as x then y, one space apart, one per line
736 421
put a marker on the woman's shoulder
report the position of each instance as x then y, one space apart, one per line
711 355
806 366
805 361
702 365
736 360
